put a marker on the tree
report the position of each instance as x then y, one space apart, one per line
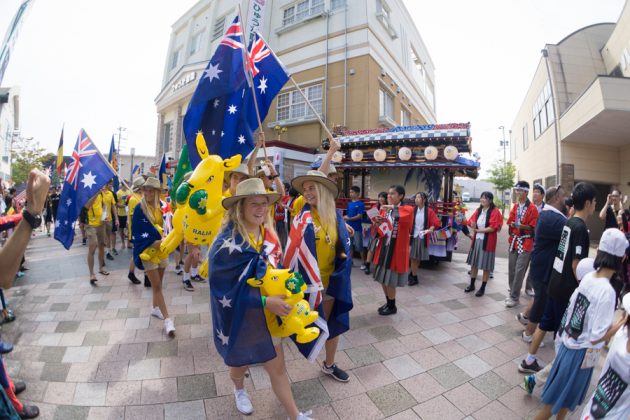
26 155
502 177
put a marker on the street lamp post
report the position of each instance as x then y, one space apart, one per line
133 152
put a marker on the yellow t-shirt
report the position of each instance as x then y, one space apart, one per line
298 205
257 243
325 246
95 213
109 203
121 196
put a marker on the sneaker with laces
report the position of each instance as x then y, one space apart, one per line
362 267
109 256
197 278
188 286
169 327
520 317
510 303
157 313
305 416
243 403
533 367
338 374
529 382
178 269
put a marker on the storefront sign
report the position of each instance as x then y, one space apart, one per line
255 18
186 79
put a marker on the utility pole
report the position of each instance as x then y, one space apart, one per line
120 130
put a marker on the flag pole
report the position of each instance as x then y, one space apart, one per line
250 80
328 133
110 166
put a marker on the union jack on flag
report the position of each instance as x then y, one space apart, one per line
257 52
234 35
83 149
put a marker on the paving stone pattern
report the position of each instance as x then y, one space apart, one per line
94 352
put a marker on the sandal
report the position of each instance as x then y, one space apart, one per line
93 281
103 272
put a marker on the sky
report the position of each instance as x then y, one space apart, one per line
99 65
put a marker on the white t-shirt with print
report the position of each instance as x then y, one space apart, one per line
611 399
419 225
589 315
481 223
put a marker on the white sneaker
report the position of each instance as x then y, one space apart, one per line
510 303
157 313
243 403
178 269
522 318
305 416
169 327
361 268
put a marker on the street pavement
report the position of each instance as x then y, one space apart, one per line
94 352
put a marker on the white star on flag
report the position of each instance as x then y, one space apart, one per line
212 72
145 235
241 139
232 109
57 223
216 102
224 339
230 244
214 132
68 202
263 85
65 222
88 180
227 303
222 133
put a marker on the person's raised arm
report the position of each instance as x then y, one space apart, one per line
251 162
334 146
12 252
602 212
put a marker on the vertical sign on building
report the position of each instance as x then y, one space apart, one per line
256 15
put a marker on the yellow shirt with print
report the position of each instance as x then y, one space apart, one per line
122 196
95 213
109 203
133 202
298 205
326 249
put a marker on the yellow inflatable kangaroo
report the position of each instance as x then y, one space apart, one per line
153 254
199 212
283 282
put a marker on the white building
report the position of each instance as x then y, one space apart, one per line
362 63
9 127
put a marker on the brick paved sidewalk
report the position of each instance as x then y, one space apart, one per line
94 352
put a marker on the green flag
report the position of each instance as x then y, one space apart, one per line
183 166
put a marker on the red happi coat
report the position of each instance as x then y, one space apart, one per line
495 221
400 259
529 218
430 221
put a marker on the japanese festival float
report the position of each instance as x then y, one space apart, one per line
421 158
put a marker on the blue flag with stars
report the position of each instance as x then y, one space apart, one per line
87 173
223 106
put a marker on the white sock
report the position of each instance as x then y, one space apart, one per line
193 271
531 358
186 276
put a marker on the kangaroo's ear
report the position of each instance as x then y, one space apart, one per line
202 148
232 162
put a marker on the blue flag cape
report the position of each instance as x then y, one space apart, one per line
339 287
239 326
143 234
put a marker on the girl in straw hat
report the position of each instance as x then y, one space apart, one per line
323 230
147 232
245 246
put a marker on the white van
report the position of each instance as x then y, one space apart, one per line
465 196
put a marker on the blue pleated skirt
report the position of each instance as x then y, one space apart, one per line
567 383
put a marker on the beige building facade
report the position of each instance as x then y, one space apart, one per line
362 64
574 122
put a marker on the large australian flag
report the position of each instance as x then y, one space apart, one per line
87 173
222 106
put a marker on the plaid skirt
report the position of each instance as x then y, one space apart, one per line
479 258
419 249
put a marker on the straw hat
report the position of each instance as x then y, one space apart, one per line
315 176
137 183
241 169
152 182
250 188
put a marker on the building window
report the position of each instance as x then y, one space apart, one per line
218 28
291 105
337 4
543 110
166 137
383 13
385 105
195 42
405 117
175 59
302 11
525 137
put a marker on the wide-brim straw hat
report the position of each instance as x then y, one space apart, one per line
250 188
240 169
152 182
137 183
315 176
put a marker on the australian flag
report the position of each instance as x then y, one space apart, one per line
239 326
87 173
301 256
143 234
222 106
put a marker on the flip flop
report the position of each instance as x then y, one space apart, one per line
103 272
93 281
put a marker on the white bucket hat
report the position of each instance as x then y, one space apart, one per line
249 188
